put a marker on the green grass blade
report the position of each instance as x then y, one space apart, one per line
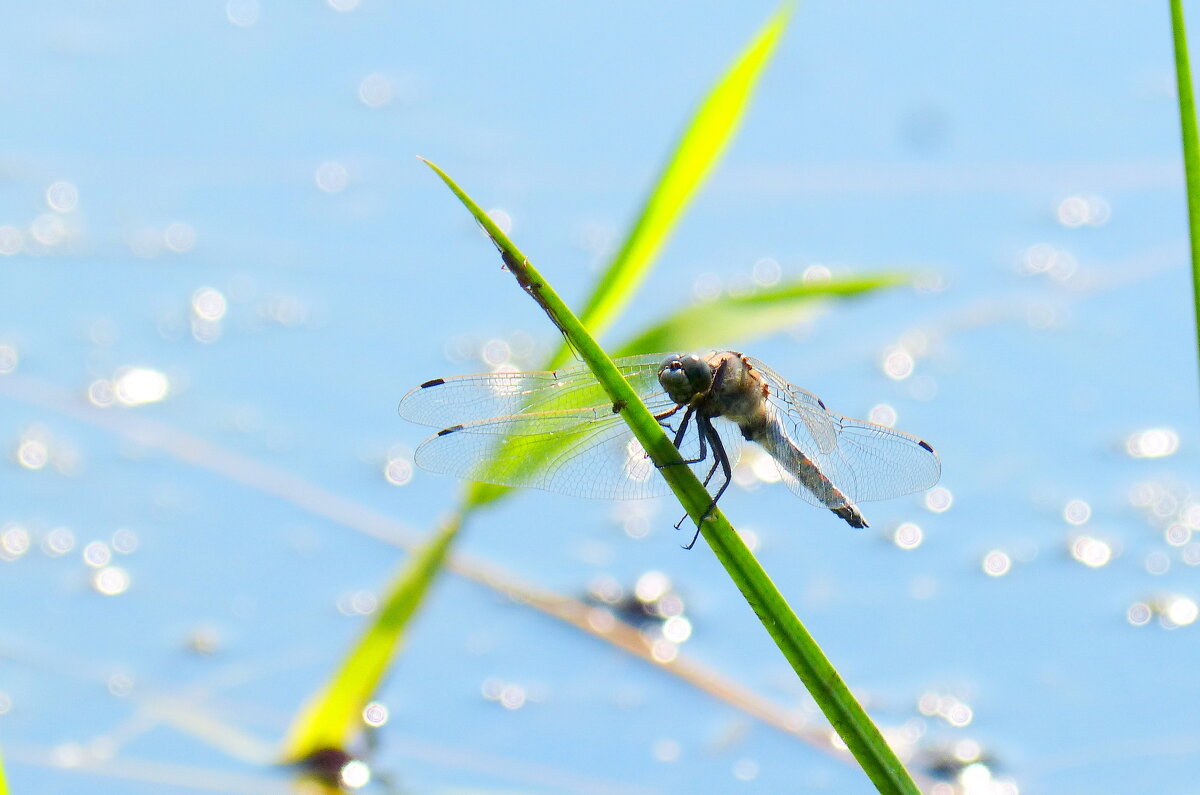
3 780
1191 150
334 717
697 152
744 317
814 669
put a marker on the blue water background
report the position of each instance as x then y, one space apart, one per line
929 137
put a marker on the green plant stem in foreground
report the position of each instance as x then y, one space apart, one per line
696 153
1191 151
331 718
814 669
333 715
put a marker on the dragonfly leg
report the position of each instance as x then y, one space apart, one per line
722 458
678 440
711 470
662 418
665 414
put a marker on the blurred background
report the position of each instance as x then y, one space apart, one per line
221 266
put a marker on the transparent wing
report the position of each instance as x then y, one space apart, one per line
446 401
580 452
869 462
552 430
805 411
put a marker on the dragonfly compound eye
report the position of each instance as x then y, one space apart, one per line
699 374
674 379
684 377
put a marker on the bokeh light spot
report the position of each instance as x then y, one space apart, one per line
57 542
1091 552
355 774
1157 563
15 541
110 580
897 363
398 471
62 196
1077 512
651 585
376 90
883 414
375 714
908 535
8 359
939 499
1152 443
1139 614
32 453
501 219
208 303
12 240
179 237
331 177
996 563
135 386
766 272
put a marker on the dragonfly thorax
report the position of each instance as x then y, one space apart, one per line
738 394
718 384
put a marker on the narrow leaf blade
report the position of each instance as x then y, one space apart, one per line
699 149
334 717
1191 150
849 719
712 323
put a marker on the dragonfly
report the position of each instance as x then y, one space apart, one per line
559 431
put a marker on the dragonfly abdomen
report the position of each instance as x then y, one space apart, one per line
793 460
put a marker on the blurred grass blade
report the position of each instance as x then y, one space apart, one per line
744 317
3 780
1191 150
703 141
865 742
334 717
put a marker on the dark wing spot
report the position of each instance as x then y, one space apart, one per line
434 382
451 429
821 403
925 445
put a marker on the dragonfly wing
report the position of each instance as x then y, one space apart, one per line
580 452
463 399
873 462
802 410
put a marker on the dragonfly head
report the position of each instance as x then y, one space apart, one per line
685 377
